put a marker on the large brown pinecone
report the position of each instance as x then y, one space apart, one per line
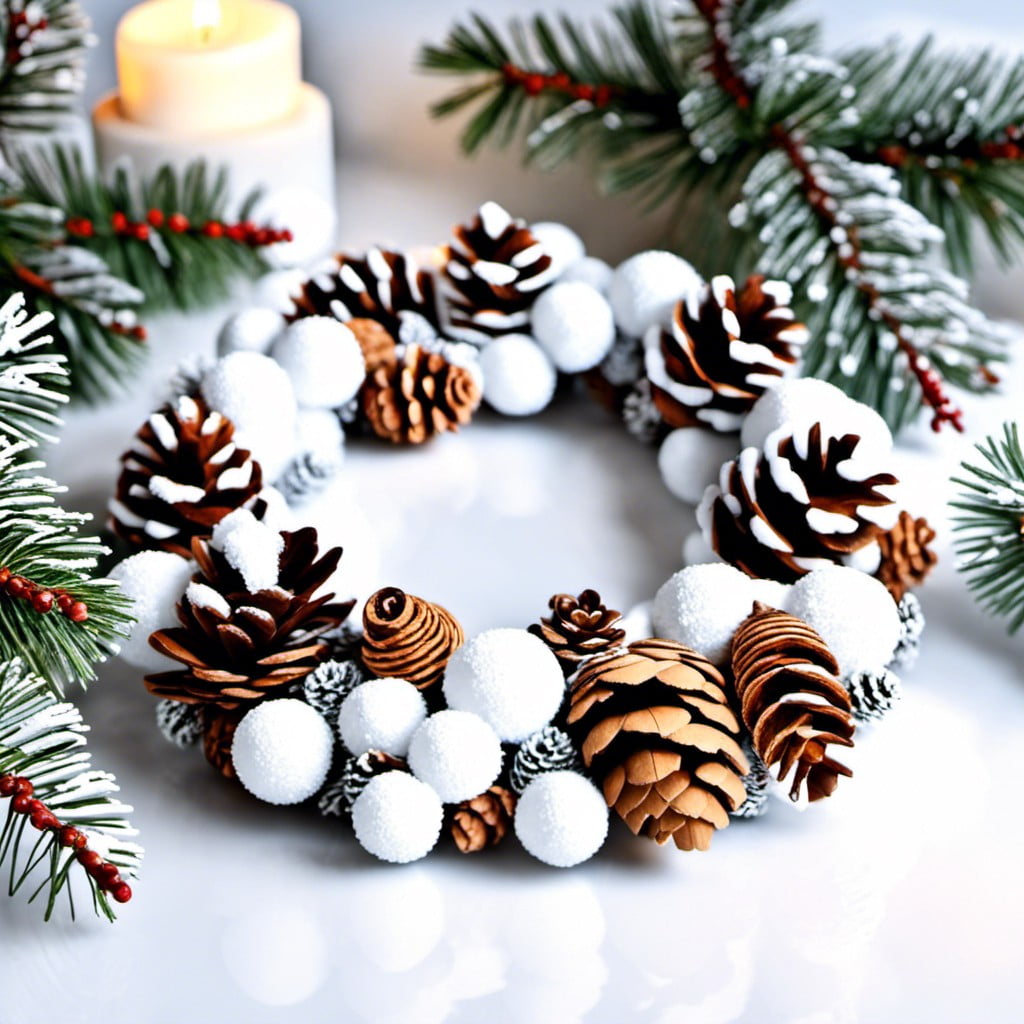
484 821
491 274
810 502
419 396
721 352
181 477
907 555
578 628
791 699
238 647
408 638
656 730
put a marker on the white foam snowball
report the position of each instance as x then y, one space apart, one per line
509 678
456 753
519 378
771 592
590 270
561 243
690 460
397 818
854 614
381 714
573 323
251 330
697 550
323 359
154 581
701 606
282 751
561 818
645 288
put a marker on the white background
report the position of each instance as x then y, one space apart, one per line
898 900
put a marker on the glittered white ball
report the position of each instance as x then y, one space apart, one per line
397 818
519 378
456 753
154 581
701 606
573 323
854 614
252 330
509 678
381 714
282 751
561 243
645 288
690 459
590 270
562 818
323 359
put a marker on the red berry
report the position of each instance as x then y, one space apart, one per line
560 81
583 92
235 232
603 96
141 232
78 612
178 222
7 783
42 601
5 575
533 84
21 804
69 836
155 218
119 222
213 229
64 600
22 787
16 586
107 875
36 807
89 859
43 820
121 893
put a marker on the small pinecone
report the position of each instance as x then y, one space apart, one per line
756 783
613 379
218 734
180 724
337 799
641 415
375 340
578 628
182 476
907 557
791 699
722 351
408 638
549 750
238 647
754 521
308 474
873 694
491 275
419 396
344 643
329 684
657 733
484 821
377 286
911 627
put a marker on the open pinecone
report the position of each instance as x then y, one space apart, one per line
810 502
657 732
483 821
792 700
578 628
421 395
236 646
181 477
218 735
907 555
722 351
492 273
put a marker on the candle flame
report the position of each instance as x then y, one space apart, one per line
205 17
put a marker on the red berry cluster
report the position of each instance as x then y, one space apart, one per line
102 872
42 599
533 83
1011 149
934 391
244 233
20 29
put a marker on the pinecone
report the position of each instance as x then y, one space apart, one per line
238 647
610 382
578 628
379 286
641 415
912 625
657 732
791 700
181 477
307 475
375 340
722 351
408 638
337 799
756 783
873 694
484 821
491 274
419 396
329 684
907 558
549 750
754 520
180 724
218 734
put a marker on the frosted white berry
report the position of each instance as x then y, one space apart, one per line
323 359
701 606
854 613
561 243
561 818
397 818
509 678
645 288
381 714
690 460
573 323
519 378
154 581
456 753
251 330
282 751
590 270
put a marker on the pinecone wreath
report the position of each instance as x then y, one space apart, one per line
483 821
657 733
907 555
791 700
722 351
181 477
578 628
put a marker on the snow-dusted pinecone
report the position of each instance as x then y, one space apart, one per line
307 475
344 643
756 782
873 694
180 724
337 799
641 415
911 627
549 750
329 684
